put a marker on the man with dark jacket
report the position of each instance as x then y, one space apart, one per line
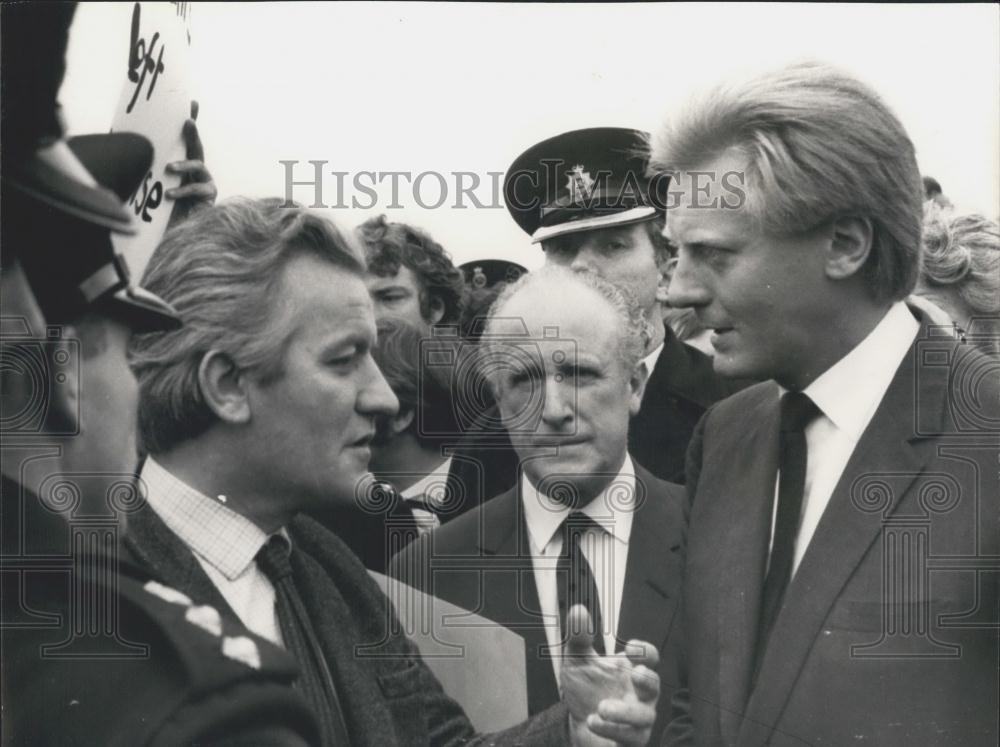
585 522
263 409
840 586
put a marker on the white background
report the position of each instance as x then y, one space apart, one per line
415 87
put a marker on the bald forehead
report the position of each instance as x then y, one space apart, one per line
553 297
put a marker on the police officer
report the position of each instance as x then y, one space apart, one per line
584 196
94 651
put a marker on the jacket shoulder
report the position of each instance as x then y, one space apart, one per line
661 503
739 404
184 670
460 537
464 534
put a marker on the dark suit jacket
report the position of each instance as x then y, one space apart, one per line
888 634
681 386
482 562
387 694
373 536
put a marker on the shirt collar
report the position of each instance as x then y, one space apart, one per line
612 509
429 481
849 392
225 539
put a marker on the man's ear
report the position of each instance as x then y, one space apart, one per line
637 387
850 245
437 310
224 387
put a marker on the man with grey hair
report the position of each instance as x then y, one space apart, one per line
263 408
823 499
585 523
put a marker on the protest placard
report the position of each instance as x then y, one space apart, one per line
155 101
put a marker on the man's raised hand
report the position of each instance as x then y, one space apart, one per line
611 699
197 188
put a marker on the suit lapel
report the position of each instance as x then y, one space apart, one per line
738 502
510 595
889 451
653 566
161 552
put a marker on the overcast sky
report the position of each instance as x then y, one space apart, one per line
466 87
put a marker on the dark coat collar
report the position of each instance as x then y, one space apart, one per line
686 372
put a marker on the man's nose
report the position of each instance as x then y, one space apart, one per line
687 288
584 259
376 396
558 401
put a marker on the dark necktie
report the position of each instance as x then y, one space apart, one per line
797 411
316 684
575 580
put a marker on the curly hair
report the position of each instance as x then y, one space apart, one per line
962 253
390 245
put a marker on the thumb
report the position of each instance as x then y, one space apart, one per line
580 638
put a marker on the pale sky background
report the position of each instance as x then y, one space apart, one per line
467 87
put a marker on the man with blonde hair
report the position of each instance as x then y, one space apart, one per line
840 584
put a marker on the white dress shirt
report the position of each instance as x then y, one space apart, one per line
847 394
431 489
224 542
607 554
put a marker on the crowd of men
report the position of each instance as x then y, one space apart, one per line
786 535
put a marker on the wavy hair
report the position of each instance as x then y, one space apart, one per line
818 144
961 253
222 269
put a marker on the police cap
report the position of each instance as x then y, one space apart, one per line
485 273
583 180
60 207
